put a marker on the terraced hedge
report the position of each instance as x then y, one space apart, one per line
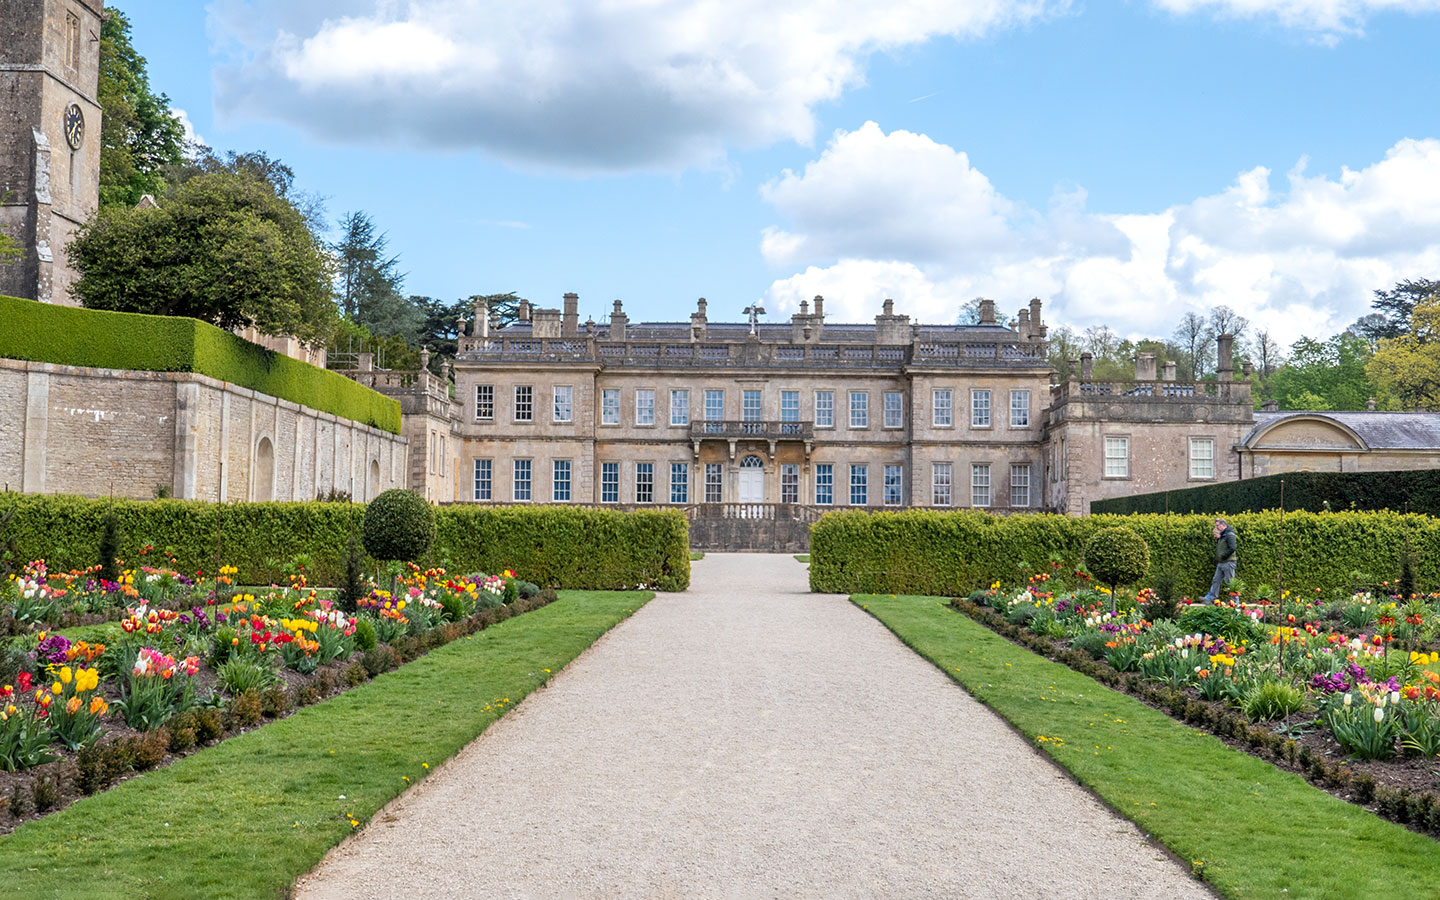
952 553
565 546
1415 491
69 336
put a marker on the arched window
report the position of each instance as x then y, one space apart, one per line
752 462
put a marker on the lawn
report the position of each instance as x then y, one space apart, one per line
1253 830
803 557
245 818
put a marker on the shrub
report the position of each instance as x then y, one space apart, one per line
1269 700
247 709
399 524
1221 621
364 634
238 676
377 660
1418 491
355 585
209 726
1117 556
109 548
46 792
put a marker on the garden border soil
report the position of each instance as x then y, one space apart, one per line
58 784
1384 788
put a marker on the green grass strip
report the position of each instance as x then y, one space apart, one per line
247 817
1258 831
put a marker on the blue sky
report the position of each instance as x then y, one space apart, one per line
1125 162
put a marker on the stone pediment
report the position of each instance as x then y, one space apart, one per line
1306 432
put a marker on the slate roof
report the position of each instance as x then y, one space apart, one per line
1379 430
839 333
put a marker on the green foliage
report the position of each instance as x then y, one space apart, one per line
364 635
46 332
555 545
239 675
950 554
1117 556
139 135
1407 368
222 247
109 548
355 585
1324 375
399 524
1221 621
1417 491
1269 700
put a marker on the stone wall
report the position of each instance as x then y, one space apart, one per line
98 432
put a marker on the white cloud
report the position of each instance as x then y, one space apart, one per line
899 215
189 128
617 85
1329 20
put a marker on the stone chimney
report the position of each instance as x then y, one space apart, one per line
366 363
1169 371
890 328
545 322
482 318
523 313
819 307
1024 324
1225 356
1087 366
987 312
1037 326
697 321
570 323
1145 367
618 321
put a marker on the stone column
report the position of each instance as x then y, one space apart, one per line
37 426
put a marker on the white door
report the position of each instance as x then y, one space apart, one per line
751 487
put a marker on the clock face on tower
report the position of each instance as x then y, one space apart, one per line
74 126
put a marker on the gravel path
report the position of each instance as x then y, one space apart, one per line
748 739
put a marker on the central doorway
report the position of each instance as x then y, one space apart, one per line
751 485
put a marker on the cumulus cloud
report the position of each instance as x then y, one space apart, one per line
620 85
1329 20
899 215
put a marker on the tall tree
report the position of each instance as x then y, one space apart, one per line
1064 347
139 135
1407 368
1333 370
1192 336
1101 341
221 247
504 308
1268 355
970 312
369 282
1397 305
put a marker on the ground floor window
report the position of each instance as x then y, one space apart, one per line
609 482
789 483
980 484
940 482
484 479
521 491
645 482
1020 485
859 485
894 485
714 484
824 484
560 484
679 482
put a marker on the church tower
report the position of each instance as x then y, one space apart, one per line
49 138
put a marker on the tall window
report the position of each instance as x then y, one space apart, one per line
824 484
714 492
1202 458
72 41
979 409
679 482
859 409
1019 485
789 483
750 407
980 484
1117 457
645 482
524 403
859 485
714 405
1019 409
789 406
644 406
609 482
824 409
484 479
894 409
521 490
943 401
894 485
679 407
940 481
610 406
560 483
484 402
564 403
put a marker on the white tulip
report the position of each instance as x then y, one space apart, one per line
1395 697
1348 700
1379 715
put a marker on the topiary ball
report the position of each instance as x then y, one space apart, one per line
1117 556
399 524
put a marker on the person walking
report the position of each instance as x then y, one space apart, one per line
1225 559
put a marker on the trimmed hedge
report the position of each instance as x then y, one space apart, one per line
1416 491
69 336
583 549
952 554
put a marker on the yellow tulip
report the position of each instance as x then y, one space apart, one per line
56 688
65 674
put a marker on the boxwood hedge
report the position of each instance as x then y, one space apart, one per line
69 336
1416 491
551 545
953 553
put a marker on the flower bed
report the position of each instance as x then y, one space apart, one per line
76 716
1356 713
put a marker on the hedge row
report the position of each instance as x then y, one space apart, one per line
950 554
1416 491
570 547
69 336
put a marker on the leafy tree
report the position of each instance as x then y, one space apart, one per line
1192 337
1101 341
1397 305
504 308
441 329
369 281
1371 327
1329 374
1064 346
970 312
1268 356
221 247
1407 368
139 135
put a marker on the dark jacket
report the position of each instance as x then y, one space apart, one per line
1225 545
